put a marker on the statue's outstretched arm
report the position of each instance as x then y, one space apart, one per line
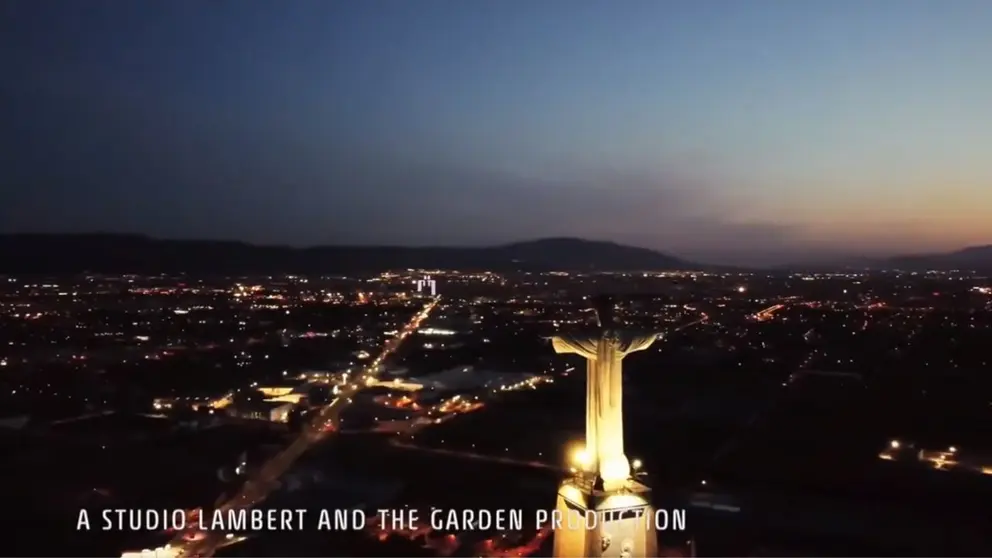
634 343
585 346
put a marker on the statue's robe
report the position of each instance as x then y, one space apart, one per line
604 352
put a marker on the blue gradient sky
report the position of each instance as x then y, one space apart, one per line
726 130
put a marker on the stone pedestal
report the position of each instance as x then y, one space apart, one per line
614 524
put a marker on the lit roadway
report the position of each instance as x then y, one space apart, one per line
266 479
768 313
690 324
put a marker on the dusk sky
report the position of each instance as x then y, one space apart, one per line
738 131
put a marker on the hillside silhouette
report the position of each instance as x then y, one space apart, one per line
114 253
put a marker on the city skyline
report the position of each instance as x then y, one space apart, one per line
759 133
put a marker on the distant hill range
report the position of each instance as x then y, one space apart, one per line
975 258
120 253
114 253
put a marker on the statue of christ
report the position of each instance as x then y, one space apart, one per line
604 350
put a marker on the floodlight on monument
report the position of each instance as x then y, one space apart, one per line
894 444
614 472
636 464
581 458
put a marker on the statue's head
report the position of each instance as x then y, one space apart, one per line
604 307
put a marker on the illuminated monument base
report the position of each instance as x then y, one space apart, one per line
622 527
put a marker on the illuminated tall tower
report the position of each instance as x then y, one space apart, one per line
602 481
426 285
